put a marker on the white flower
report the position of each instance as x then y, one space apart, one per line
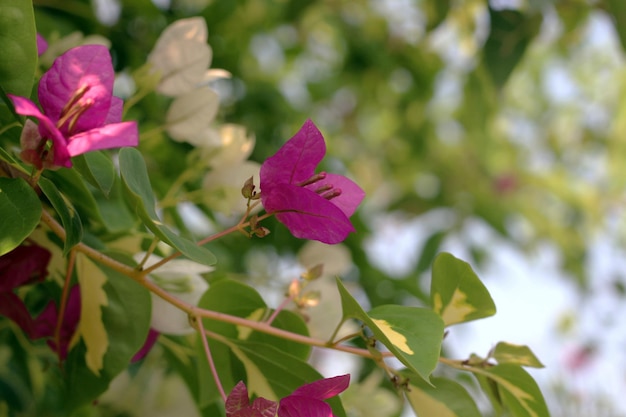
181 278
191 112
181 55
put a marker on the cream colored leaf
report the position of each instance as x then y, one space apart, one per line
93 298
182 56
191 113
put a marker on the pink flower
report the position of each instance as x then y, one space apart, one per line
238 404
80 113
312 206
307 401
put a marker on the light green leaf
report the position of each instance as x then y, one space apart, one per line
456 292
97 168
140 197
20 210
444 398
516 389
125 318
515 354
412 334
69 217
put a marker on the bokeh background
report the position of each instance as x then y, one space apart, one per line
495 130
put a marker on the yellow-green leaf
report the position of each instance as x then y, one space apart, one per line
444 398
517 390
93 298
457 294
515 354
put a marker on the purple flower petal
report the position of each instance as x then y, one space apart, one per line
351 194
238 405
12 307
115 111
115 135
151 339
47 129
296 160
84 67
42 45
25 264
312 206
307 215
324 388
295 406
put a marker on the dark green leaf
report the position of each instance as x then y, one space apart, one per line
456 292
72 185
237 299
18 47
141 199
510 34
97 168
617 9
20 211
69 217
274 374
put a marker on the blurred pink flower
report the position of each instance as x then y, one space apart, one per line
308 400
80 113
312 206
42 45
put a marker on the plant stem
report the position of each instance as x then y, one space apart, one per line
140 277
209 357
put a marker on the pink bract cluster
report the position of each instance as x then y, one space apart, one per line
80 113
312 206
306 401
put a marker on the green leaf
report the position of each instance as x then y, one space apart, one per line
69 217
97 168
516 390
515 354
510 34
238 299
444 398
456 292
436 12
617 9
72 185
20 211
140 197
273 374
126 320
412 334
18 47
